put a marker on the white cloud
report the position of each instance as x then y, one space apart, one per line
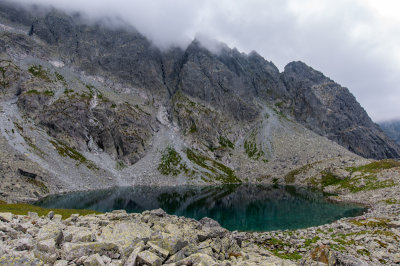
355 42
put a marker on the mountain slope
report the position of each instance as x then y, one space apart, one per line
392 129
97 107
332 111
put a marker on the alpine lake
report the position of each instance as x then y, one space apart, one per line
235 207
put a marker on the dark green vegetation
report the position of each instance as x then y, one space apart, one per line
251 148
225 142
291 176
366 180
66 151
217 170
60 78
229 204
279 248
39 72
23 209
375 167
171 163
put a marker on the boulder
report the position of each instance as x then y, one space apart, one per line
51 231
94 260
6 217
126 235
148 258
131 261
71 251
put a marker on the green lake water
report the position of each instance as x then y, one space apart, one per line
235 207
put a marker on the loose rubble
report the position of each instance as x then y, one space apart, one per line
119 238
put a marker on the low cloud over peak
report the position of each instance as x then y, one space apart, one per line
355 42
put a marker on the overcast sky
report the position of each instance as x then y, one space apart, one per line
354 42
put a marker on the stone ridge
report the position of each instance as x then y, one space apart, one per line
332 111
230 80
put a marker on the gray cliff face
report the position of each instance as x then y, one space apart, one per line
332 111
229 80
392 129
83 100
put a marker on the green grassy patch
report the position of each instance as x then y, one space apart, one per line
39 72
310 241
23 209
120 165
375 167
66 151
277 247
39 184
171 163
364 252
329 179
220 172
193 128
66 91
291 176
33 92
60 78
49 93
250 146
225 142
375 222
392 201
367 179
3 72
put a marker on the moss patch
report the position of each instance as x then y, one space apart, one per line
375 167
23 209
33 92
251 148
39 184
39 72
375 222
171 163
219 171
365 182
277 247
120 165
66 151
291 176
225 142
60 78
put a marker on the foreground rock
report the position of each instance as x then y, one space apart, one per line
118 238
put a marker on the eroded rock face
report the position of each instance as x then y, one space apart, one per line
229 81
332 111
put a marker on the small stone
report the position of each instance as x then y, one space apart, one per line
94 260
131 261
148 258
159 212
72 251
24 244
33 215
57 218
396 258
6 217
159 251
61 263
48 246
50 215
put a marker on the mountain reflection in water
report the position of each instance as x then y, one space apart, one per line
235 207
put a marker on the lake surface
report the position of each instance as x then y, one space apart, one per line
235 207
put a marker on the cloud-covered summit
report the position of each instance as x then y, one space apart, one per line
355 42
